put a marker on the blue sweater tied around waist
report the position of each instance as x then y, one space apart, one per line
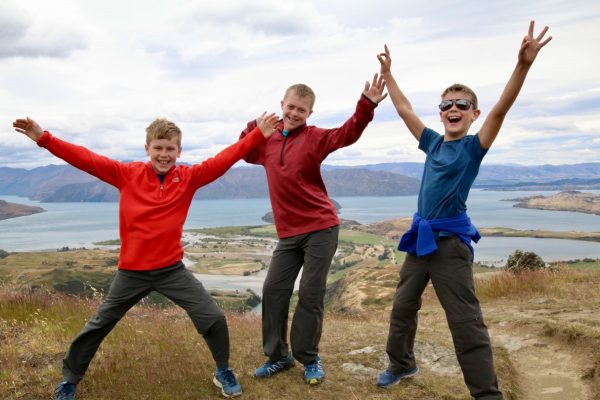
421 240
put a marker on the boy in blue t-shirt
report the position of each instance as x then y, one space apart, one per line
438 242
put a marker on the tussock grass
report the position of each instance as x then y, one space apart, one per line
560 282
155 353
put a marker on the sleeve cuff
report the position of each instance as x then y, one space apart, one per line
43 140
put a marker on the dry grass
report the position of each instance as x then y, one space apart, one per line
561 282
155 353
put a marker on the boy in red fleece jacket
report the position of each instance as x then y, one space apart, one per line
154 200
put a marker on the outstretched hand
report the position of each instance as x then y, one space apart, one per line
267 123
374 91
385 60
29 128
531 46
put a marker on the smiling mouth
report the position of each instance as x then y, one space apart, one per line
454 118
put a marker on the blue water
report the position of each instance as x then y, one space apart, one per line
81 224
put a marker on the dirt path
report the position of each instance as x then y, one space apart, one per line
549 370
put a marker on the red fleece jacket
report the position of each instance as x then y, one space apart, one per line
151 214
293 165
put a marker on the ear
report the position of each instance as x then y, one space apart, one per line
309 113
179 152
476 114
147 149
441 117
282 104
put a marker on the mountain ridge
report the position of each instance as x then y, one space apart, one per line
64 183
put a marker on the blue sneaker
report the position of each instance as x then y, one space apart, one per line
226 380
65 391
387 378
313 372
270 368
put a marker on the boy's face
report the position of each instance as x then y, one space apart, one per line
296 110
163 153
457 121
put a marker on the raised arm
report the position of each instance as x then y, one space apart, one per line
529 50
403 106
104 168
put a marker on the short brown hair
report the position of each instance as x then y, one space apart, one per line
162 128
302 90
457 87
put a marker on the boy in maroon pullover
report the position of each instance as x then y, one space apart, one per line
306 222
154 200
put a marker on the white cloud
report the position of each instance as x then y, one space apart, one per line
99 72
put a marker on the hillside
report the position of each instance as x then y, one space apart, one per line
544 327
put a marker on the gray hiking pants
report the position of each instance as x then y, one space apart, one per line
128 287
314 251
450 271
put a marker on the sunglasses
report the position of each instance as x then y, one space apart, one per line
461 104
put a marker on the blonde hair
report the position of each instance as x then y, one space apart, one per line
162 128
457 87
301 90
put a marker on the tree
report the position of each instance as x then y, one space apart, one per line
521 261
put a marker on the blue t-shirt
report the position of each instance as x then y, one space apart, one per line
450 169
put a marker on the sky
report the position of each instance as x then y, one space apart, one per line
96 73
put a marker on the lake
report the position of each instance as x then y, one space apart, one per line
81 224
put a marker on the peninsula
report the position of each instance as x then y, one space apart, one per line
13 210
573 200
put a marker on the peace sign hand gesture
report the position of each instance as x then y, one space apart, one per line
531 46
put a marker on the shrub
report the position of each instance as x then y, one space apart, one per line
520 261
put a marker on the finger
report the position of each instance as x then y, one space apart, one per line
375 80
545 42
542 33
387 50
366 86
531 24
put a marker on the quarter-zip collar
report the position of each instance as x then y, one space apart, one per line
285 135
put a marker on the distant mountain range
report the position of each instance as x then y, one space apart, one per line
63 183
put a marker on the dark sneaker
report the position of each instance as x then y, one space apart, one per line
226 380
313 372
270 368
387 378
65 391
